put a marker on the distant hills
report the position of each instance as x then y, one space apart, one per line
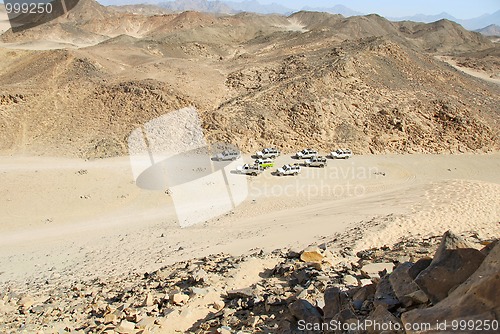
491 30
254 6
470 24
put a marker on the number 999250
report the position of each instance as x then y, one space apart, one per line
28 8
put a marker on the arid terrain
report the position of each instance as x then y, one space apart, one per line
310 79
85 248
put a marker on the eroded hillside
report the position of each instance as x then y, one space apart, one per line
311 79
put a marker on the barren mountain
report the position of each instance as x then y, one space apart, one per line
491 30
310 79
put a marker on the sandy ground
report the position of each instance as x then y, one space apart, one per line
88 218
469 71
4 22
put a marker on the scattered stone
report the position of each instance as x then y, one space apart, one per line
219 305
146 323
372 270
240 293
198 291
110 318
312 254
179 299
125 327
200 276
148 301
225 330
350 280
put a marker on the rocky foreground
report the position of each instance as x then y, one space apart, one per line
324 288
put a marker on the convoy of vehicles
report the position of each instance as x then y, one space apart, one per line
265 160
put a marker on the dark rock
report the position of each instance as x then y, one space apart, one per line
487 249
447 271
401 281
303 310
241 293
476 299
335 301
366 292
385 295
419 266
383 321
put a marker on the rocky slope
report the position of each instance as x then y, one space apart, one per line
324 285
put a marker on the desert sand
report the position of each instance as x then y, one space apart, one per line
86 219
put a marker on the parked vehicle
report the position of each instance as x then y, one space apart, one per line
265 163
306 153
341 154
289 170
266 153
316 162
247 169
227 155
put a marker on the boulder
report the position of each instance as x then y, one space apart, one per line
415 298
303 310
312 254
384 295
476 299
448 269
335 301
367 292
402 283
383 321
419 266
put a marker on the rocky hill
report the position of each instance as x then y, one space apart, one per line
310 79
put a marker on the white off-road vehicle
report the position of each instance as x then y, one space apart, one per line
306 153
288 170
247 169
268 153
316 162
227 155
341 154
